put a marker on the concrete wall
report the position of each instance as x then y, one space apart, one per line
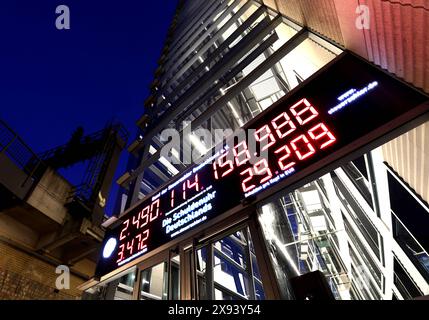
13 178
24 274
50 195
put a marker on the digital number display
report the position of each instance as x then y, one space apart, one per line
291 137
344 106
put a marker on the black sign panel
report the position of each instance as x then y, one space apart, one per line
332 110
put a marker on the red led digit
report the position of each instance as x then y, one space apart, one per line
306 144
130 248
154 210
144 216
139 238
126 224
188 185
263 134
243 156
145 235
285 121
215 170
136 220
121 253
303 106
243 184
222 164
195 184
281 163
172 198
320 131
261 167
184 190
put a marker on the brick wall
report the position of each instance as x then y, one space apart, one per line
14 286
23 276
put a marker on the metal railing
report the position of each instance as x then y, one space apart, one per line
411 246
87 191
19 152
86 140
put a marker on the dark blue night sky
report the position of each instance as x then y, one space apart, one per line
52 81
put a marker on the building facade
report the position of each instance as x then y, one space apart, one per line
361 224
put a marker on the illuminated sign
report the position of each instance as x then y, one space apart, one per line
342 108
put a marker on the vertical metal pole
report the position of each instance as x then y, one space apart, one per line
194 272
209 272
185 272
9 144
133 194
136 292
188 278
266 269
169 292
249 266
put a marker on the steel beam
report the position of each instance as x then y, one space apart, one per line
215 54
192 43
246 44
195 29
240 30
245 82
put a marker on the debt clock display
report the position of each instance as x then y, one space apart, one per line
336 109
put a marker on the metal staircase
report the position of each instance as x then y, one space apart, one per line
20 167
98 149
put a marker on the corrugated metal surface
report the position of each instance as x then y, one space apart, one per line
408 155
398 41
398 38
290 8
319 15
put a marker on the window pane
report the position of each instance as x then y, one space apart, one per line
153 283
234 274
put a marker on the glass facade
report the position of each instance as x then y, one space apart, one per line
360 225
228 270
329 225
